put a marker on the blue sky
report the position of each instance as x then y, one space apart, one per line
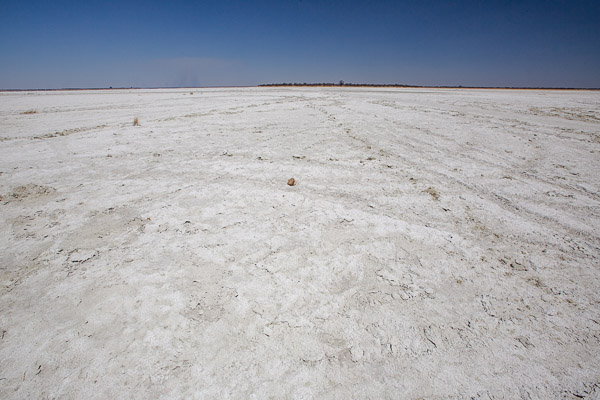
56 44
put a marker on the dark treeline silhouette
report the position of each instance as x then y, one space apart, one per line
341 83
397 85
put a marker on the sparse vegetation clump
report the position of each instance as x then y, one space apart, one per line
136 122
29 112
434 193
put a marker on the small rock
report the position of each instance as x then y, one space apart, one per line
291 182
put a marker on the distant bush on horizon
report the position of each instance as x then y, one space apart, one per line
399 85
342 83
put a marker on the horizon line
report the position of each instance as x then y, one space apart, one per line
377 85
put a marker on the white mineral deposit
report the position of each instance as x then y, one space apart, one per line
436 243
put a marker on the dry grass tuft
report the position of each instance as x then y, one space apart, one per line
29 112
136 122
434 193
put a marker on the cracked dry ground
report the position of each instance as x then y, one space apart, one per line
436 244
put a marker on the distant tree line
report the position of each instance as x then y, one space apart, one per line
341 83
397 85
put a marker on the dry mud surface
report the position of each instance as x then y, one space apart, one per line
438 244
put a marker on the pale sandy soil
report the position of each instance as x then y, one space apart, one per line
439 244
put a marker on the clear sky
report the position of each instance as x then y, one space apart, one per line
87 43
